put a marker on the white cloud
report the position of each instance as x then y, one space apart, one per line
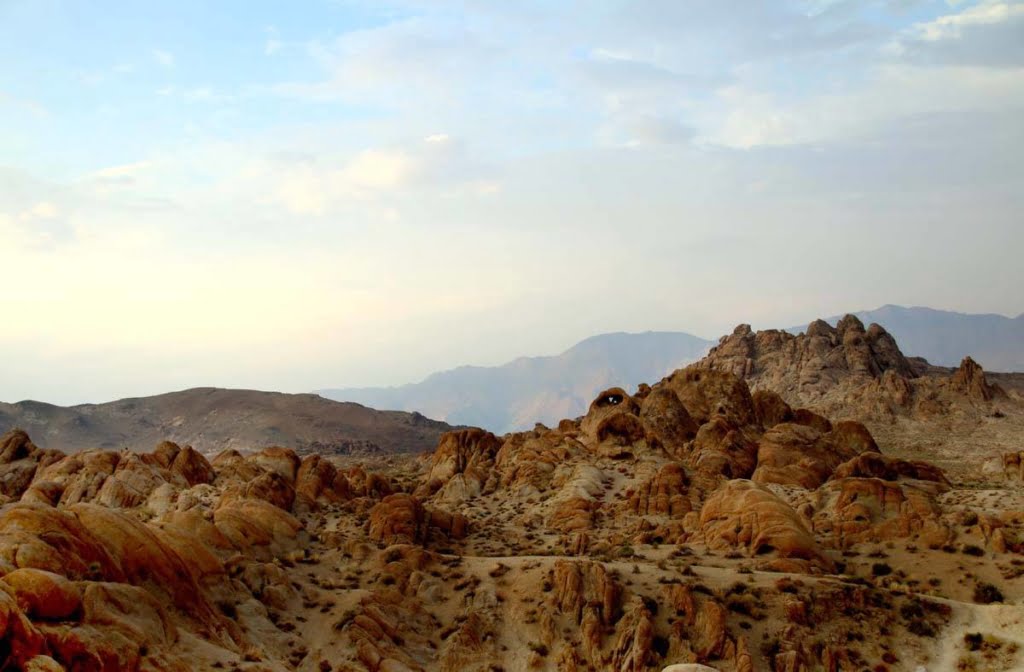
164 58
989 33
951 26
41 210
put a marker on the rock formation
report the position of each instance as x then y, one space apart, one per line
689 523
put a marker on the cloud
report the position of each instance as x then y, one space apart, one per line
164 58
467 163
273 43
986 34
12 102
41 226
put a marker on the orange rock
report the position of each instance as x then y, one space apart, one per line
722 448
573 514
970 380
771 409
21 641
743 515
853 510
465 451
81 475
191 466
579 583
666 420
792 454
272 487
39 536
1013 466
43 595
402 519
706 393
257 527
876 465
281 461
665 494
145 559
632 650
318 480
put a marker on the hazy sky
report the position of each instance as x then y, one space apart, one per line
324 194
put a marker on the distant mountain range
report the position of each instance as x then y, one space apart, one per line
500 398
944 337
545 389
212 419
528 390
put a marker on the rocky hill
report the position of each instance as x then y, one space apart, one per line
854 372
945 337
213 419
528 390
694 523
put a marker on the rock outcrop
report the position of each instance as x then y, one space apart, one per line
746 516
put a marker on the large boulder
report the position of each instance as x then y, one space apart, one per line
666 420
42 595
800 455
745 516
706 393
664 494
969 379
402 519
856 510
578 584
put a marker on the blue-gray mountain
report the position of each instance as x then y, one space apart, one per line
537 389
545 389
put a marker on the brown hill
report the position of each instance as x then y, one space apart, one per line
213 419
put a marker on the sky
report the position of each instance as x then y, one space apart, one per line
294 196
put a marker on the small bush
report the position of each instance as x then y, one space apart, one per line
881 569
986 593
921 628
538 648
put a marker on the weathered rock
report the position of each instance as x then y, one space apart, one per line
43 595
665 494
1013 466
792 454
771 409
745 516
852 510
468 451
191 466
706 393
257 527
969 379
319 480
632 650
272 487
581 583
722 448
666 420
281 461
402 519
876 465
807 367
20 639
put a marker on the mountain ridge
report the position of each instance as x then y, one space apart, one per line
212 419
544 388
